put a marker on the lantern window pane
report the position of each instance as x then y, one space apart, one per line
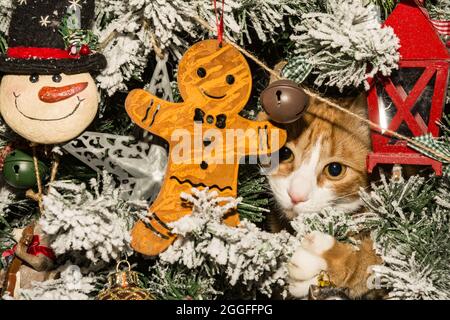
403 130
414 118
386 107
406 78
422 108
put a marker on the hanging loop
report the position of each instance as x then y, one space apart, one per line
123 262
219 21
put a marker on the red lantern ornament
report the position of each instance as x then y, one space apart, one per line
411 100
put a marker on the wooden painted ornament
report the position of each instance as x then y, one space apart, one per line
215 83
19 171
284 101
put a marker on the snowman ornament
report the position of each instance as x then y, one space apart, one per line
48 95
47 109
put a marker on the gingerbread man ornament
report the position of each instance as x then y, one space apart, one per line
207 137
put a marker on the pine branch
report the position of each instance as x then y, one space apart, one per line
346 45
176 282
252 188
440 145
412 236
245 257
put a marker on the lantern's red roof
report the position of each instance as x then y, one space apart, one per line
418 37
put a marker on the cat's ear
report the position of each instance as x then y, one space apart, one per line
361 129
278 68
359 105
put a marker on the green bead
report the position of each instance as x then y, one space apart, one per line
18 170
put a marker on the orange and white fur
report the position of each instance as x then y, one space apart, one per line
324 165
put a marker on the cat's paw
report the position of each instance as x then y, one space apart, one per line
305 265
318 242
307 262
303 270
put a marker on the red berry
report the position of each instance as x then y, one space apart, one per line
85 50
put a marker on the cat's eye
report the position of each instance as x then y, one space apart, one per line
201 72
57 78
286 155
34 78
230 79
335 170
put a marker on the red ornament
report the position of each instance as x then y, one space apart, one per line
85 50
411 100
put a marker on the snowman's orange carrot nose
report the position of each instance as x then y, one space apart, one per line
56 94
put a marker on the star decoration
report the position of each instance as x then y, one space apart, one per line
147 173
140 166
45 22
74 4
22 2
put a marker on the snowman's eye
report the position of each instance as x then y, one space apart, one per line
34 78
57 78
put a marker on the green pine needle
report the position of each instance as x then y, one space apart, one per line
77 37
252 187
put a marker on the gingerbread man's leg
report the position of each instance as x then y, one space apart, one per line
148 241
153 236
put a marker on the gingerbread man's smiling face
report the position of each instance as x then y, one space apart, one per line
216 78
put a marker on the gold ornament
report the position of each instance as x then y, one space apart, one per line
324 280
123 285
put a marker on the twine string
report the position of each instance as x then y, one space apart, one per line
317 96
38 197
38 179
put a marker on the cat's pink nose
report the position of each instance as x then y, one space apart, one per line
297 198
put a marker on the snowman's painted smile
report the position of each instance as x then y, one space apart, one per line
16 97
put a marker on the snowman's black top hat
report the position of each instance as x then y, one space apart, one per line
35 44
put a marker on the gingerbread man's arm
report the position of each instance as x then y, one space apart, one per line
269 137
152 113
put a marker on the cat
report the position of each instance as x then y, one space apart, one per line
323 165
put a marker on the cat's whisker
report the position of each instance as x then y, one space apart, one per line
348 195
345 196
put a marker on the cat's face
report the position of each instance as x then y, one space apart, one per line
324 163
